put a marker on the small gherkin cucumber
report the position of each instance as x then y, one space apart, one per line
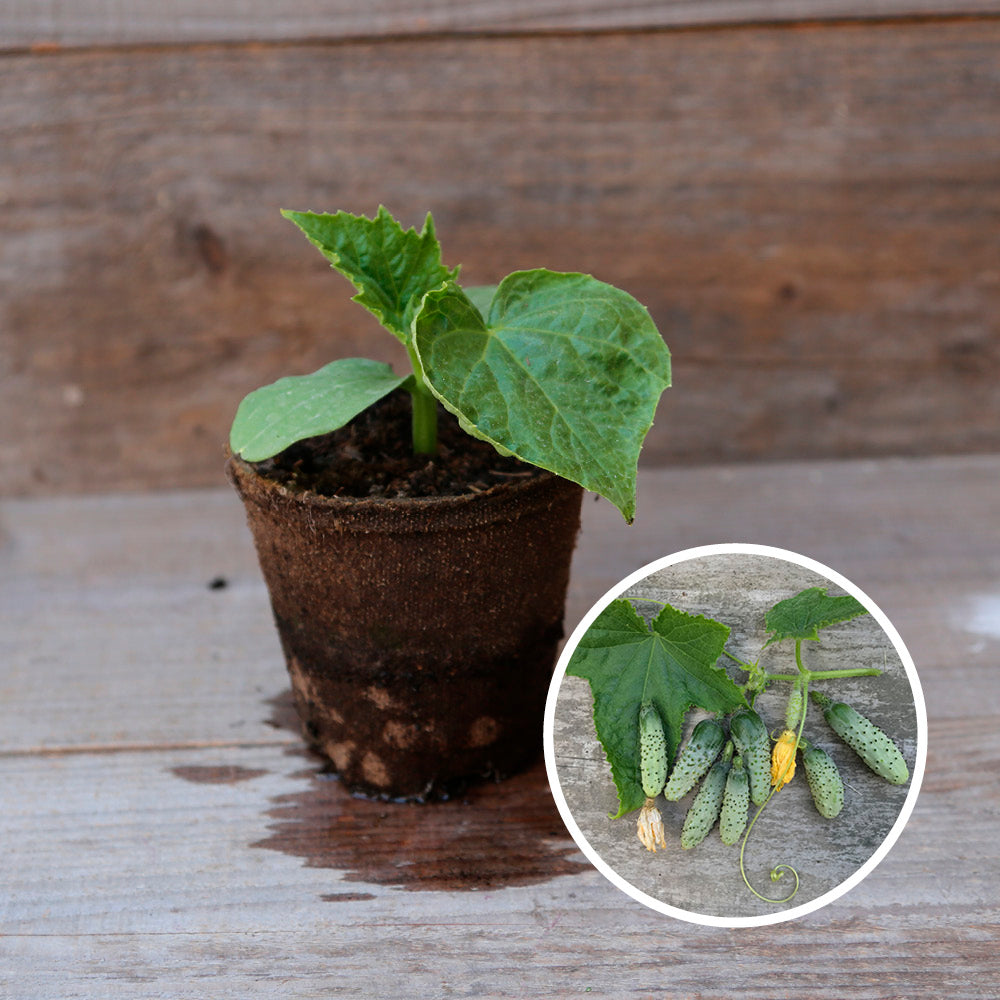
754 745
707 803
866 740
695 759
824 781
652 751
793 710
735 803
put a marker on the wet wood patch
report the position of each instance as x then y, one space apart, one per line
497 835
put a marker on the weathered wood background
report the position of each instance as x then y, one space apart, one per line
806 195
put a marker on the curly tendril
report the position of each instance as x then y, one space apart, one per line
777 872
781 774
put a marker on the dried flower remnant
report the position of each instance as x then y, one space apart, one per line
650 827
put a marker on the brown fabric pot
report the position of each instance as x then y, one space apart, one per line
419 634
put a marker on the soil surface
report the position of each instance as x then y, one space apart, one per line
372 457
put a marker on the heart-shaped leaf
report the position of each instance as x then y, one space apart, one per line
564 371
301 406
802 616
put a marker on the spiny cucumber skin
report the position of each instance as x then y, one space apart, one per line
868 742
695 759
824 780
707 804
652 751
793 711
735 803
753 744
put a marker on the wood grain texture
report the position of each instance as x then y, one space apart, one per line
26 23
128 872
811 215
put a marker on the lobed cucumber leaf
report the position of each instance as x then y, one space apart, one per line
390 267
563 371
802 616
670 663
301 406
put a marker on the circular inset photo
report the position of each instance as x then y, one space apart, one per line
735 735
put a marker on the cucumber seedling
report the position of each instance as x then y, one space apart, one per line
541 349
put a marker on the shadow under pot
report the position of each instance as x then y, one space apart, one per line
420 634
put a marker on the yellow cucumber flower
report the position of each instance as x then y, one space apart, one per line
783 759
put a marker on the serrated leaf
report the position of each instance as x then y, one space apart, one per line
564 372
671 663
802 616
390 267
301 406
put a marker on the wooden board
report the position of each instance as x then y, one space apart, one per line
186 844
810 213
100 23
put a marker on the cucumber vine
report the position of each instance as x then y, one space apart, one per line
655 674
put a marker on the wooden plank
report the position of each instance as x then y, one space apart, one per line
121 876
107 600
26 23
817 242
145 852
116 600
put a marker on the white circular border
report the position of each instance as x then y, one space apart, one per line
735 548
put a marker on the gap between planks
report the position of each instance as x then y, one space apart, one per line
763 15
112 748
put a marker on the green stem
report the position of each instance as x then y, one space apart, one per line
424 411
748 667
825 675
798 657
424 423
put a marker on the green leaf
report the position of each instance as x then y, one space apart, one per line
390 267
301 406
564 372
801 616
671 664
480 296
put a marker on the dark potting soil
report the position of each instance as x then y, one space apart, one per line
372 457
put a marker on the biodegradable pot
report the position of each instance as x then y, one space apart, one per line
419 634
